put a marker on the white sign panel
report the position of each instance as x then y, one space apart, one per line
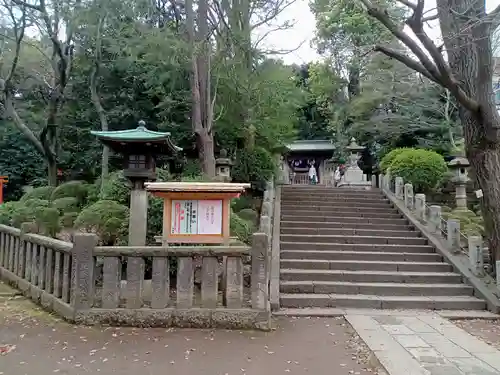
210 217
196 217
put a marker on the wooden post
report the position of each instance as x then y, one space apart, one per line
3 180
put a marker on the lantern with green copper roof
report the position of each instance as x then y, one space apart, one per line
140 148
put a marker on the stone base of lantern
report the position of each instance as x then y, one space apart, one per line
354 177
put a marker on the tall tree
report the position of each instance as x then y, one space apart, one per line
50 17
466 72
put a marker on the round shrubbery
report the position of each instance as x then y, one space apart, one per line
107 219
42 192
424 169
71 189
388 158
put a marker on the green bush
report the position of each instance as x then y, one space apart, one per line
68 219
116 188
47 219
241 228
66 205
7 211
470 223
249 215
424 169
388 158
256 165
155 219
42 192
108 219
242 202
72 189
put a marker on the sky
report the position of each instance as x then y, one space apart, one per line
302 33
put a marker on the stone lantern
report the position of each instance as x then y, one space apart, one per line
353 175
140 148
223 166
459 166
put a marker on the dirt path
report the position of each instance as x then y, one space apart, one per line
36 343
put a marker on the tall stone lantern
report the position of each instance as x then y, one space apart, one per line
223 166
459 166
140 147
353 175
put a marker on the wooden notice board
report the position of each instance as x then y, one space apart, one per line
196 212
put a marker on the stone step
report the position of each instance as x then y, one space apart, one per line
371 240
367 265
287 274
382 302
347 201
352 225
298 190
381 289
360 255
309 229
302 218
327 208
388 248
309 211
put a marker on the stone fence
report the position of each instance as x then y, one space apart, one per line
470 247
84 283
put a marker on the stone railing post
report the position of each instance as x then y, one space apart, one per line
475 244
420 207
259 279
435 219
82 276
374 181
453 234
388 180
399 188
381 181
408 191
266 210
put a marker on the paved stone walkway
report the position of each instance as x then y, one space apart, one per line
425 345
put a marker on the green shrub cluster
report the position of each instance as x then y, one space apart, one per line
471 224
424 169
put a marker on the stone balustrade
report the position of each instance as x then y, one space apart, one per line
84 282
448 230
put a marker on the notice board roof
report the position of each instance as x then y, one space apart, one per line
194 187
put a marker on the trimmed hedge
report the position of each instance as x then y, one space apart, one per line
424 169
388 158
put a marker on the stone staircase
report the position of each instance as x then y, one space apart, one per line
350 248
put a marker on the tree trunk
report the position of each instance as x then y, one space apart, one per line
205 143
484 157
52 172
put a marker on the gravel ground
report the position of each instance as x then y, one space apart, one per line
33 342
487 330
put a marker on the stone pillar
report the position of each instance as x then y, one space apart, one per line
420 207
381 181
461 196
408 190
399 188
374 181
435 219
475 245
453 234
138 221
82 274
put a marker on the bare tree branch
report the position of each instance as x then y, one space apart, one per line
437 68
